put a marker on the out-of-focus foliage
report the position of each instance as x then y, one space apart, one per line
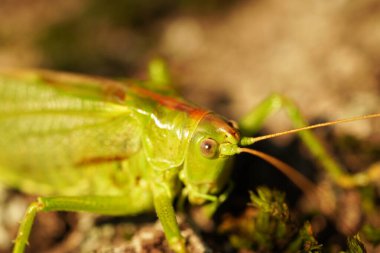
355 245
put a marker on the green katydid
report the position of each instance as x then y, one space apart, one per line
127 147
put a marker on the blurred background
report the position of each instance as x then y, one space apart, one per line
226 55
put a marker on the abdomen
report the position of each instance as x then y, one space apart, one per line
47 135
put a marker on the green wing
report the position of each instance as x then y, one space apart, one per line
54 125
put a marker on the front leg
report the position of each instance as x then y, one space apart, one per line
163 203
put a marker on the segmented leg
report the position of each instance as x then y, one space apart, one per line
165 212
255 119
95 204
159 75
26 226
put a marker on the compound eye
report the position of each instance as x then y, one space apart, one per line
209 148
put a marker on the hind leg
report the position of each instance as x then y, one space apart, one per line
96 204
256 118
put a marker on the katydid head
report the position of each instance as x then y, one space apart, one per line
206 168
215 141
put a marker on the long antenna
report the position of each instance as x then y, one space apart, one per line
297 178
245 141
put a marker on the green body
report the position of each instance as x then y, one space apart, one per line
122 148
69 135
87 140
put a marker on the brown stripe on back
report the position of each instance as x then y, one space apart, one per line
113 92
170 102
109 89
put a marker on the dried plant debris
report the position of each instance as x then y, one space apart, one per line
150 238
266 225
